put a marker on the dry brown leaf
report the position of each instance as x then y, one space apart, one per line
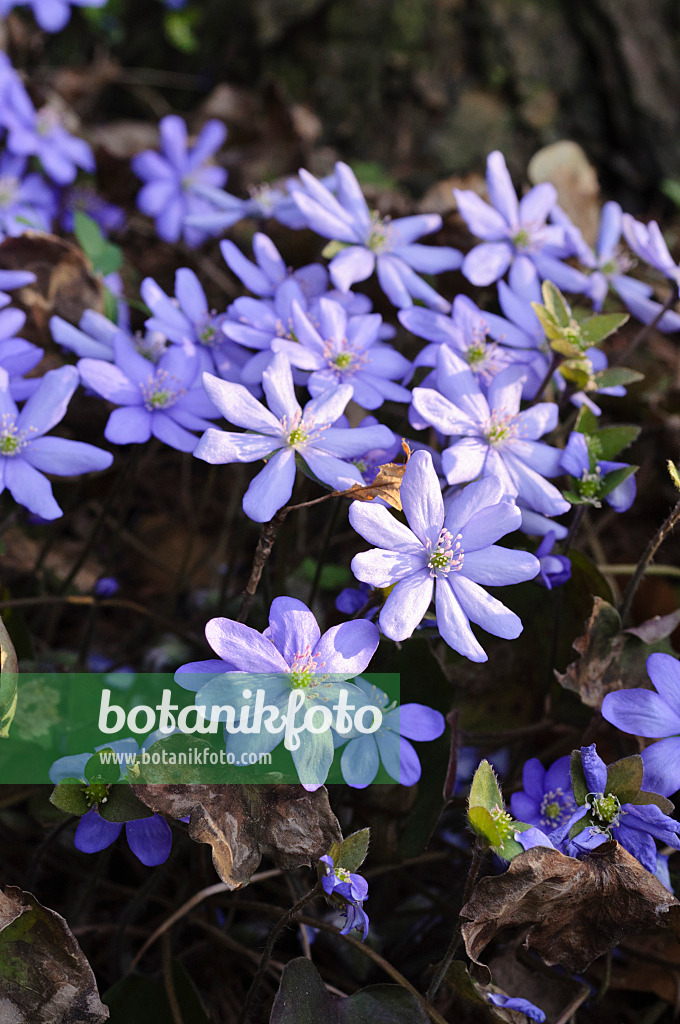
65 284
599 669
244 823
44 976
573 910
386 485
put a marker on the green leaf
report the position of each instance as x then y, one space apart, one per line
350 854
304 999
624 778
98 770
105 257
665 805
613 479
671 188
122 805
179 29
69 796
564 347
617 376
483 824
9 679
596 328
484 790
574 499
613 440
577 372
578 778
556 304
587 422
509 848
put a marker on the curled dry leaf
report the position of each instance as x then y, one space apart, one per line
573 910
8 681
244 823
386 485
44 977
65 285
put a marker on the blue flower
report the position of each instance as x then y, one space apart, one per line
41 133
149 838
590 475
351 889
17 356
529 1010
162 400
515 232
269 271
452 554
368 242
282 432
390 743
81 199
51 15
171 176
547 800
25 453
291 655
490 436
654 715
555 569
26 200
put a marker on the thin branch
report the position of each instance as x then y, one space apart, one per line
655 543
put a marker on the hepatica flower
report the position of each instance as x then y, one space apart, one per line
368 242
26 454
547 800
291 655
515 233
348 888
51 15
269 270
589 476
655 715
343 349
170 177
26 200
149 837
41 133
529 1010
489 434
555 569
452 555
281 433
390 743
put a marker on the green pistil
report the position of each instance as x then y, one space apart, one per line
96 793
159 399
503 822
607 808
343 360
497 433
9 444
300 680
552 811
590 485
342 874
207 335
521 239
297 436
476 354
439 560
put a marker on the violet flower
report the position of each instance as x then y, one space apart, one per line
269 270
452 554
170 177
51 15
555 569
514 233
590 475
26 200
517 1003
351 889
368 242
26 454
490 436
281 433
654 715
547 800
164 400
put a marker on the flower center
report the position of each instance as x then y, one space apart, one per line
556 805
606 808
447 556
500 428
298 432
343 874
590 485
12 440
379 233
503 822
206 331
152 345
522 239
160 392
303 669
96 793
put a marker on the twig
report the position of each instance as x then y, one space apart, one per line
169 981
628 568
655 543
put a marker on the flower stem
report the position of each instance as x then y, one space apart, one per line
655 543
280 925
478 854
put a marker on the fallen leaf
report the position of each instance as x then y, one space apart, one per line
243 823
573 910
44 977
65 285
8 680
659 627
386 485
565 165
